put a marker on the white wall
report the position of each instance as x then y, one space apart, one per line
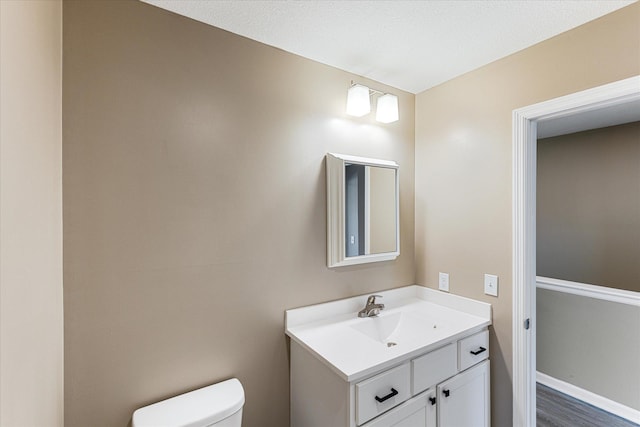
31 329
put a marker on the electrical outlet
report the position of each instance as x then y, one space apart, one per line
443 282
491 285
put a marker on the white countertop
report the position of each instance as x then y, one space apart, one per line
429 319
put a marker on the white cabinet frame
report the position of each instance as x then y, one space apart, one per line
336 253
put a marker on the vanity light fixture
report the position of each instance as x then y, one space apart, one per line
359 103
387 109
358 100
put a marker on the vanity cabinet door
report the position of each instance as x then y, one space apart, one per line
432 408
415 412
463 401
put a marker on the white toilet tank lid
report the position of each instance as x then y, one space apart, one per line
197 408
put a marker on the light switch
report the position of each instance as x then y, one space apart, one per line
443 282
491 285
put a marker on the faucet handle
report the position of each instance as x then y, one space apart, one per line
372 299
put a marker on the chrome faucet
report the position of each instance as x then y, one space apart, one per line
371 309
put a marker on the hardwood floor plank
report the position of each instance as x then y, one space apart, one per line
555 409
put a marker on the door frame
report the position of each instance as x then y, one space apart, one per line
524 226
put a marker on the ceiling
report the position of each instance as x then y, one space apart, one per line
617 114
411 45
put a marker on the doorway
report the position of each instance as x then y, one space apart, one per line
596 107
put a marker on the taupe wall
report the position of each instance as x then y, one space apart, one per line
31 341
382 210
588 202
463 163
194 208
590 343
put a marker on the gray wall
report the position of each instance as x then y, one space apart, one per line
588 231
195 207
588 201
354 183
590 343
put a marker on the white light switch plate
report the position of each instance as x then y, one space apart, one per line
491 285
443 282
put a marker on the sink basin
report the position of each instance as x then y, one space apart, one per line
379 328
399 327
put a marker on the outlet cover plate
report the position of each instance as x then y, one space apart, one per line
443 282
491 285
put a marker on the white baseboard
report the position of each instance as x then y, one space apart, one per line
591 398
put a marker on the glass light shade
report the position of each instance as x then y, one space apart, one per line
358 101
387 110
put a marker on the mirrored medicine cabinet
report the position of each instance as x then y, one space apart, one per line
362 210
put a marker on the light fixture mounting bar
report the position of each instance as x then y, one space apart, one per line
371 91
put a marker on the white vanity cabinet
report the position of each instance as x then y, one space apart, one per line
441 388
463 401
422 362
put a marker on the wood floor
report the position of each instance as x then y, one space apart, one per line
555 409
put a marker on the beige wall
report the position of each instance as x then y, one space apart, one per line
31 342
588 202
463 163
194 209
382 210
194 197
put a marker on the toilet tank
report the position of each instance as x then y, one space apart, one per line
217 405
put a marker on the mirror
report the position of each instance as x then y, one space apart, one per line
362 210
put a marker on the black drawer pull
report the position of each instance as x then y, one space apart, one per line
446 393
475 353
388 396
432 400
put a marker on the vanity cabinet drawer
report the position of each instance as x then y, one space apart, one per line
434 367
382 392
415 412
473 349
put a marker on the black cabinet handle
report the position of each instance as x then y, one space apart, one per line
446 393
475 353
432 400
388 396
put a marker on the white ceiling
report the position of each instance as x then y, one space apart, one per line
411 45
595 119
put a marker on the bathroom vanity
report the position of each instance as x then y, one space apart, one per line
423 361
